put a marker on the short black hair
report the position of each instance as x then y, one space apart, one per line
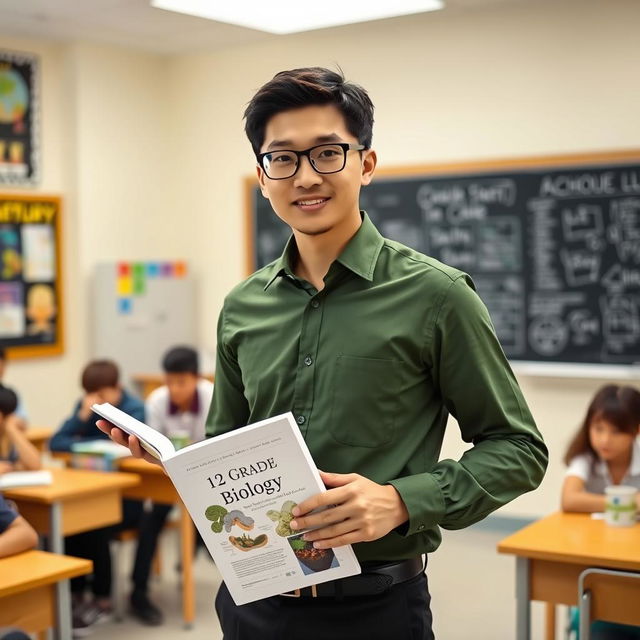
181 360
99 374
304 87
8 400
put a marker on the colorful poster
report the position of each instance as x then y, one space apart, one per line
38 252
11 310
19 143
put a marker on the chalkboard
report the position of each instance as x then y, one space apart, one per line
552 244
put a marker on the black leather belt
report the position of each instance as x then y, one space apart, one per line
374 579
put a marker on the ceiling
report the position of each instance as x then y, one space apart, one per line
134 23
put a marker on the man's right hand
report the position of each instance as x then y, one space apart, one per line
131 442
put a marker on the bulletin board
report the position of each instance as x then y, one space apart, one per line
19 118
31 300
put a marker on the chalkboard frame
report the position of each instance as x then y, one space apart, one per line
569 161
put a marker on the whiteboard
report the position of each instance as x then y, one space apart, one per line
136 320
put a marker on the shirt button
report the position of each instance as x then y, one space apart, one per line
315 304
301 420
308 361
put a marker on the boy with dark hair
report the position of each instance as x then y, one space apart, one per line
101 383
178 410
370 345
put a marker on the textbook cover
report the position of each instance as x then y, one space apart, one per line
240 488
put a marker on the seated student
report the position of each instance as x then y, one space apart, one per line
605 451
16 535
16 452
179 407
100 381
20 412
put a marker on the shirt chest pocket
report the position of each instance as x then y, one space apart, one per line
365 400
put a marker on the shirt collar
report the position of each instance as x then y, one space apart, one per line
359 256
194 408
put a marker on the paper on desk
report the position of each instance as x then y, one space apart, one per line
15 479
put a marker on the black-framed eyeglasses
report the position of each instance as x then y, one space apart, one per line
324 158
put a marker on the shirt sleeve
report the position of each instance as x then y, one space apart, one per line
229 408
478 388
7 514
579 466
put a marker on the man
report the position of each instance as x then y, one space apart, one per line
178 408
370 344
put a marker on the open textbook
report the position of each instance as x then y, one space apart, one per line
240 488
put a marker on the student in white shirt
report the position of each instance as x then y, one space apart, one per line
178 410
605 451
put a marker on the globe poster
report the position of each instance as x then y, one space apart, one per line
19 148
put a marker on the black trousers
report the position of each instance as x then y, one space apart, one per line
151 524
401 613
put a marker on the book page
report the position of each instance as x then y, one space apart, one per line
158 445
240 489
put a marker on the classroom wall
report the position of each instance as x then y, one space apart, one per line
150 156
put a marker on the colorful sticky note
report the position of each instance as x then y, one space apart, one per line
139 279
180 269
124 306
167 269
124 286
139 286
124 269
153 270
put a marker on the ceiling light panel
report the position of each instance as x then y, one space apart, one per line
287 16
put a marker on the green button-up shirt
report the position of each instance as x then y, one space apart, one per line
370 367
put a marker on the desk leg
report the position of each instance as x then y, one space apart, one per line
188 596
56 544
550 621
523 604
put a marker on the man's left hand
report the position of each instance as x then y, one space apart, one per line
363 511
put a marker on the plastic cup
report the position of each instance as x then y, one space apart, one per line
621 507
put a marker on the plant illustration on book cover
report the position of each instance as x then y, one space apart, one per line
220 518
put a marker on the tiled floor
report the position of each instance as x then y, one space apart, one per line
472 591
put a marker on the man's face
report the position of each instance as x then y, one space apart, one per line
182 388
309 202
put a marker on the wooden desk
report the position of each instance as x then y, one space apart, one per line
76 501
28 585
39 437
147 382
553 552
157 486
